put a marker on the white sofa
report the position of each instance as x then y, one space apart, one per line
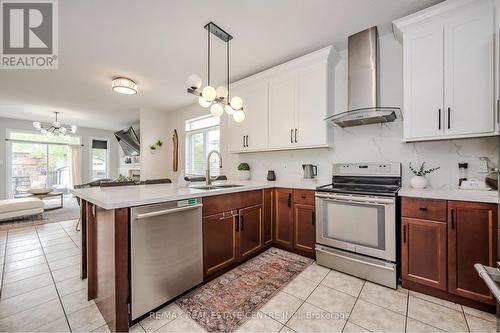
14 208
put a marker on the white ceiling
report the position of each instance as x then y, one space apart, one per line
159 43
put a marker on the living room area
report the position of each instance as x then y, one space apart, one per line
37 168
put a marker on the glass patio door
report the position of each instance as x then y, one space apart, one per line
28 167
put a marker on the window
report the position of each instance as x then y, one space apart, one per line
202 136
99 159
35 160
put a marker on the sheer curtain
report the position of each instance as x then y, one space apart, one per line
75 165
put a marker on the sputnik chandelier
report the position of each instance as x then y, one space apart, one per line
217 99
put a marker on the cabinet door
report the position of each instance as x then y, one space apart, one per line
423 83
251 134
282 111
472 232
283 219
304 228
250 230
470 72
312 106
423 253
219 242
267 228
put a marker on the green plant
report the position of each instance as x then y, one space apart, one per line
243 167
122 178
155 146
422 171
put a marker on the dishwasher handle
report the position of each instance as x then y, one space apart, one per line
168 211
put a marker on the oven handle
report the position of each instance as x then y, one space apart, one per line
354 259
345 198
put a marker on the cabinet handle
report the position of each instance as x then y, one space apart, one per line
314 217
452 218
295 135
423 209
291 136
449 115
439 119
247 140
241 223
498 111
243 141
237 223
404 233
289 200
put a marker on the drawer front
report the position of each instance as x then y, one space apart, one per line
226 202
426 209
303 196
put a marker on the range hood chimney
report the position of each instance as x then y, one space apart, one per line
363 84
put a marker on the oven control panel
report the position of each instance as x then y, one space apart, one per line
367 169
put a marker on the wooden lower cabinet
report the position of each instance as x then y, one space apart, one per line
304 218
472 234
268 213
283 218
219 241
423 252
250 230
440 243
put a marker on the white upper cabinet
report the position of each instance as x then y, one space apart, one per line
469 72
285 106
282 111
423 71
449 70
251 134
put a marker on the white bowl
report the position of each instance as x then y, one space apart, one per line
39 190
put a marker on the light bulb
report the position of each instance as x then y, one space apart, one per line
221 92
229 109
209 93
216 110
236 103
37 125
43 131
63 130
203 102
73 128
239 116
194 81
50 134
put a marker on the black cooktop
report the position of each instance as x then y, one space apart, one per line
385 186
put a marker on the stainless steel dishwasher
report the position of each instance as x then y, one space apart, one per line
166 252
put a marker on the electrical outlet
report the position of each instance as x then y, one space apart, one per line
483 166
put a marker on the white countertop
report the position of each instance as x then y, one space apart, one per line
452 194
137 195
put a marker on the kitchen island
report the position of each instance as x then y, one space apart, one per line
106 215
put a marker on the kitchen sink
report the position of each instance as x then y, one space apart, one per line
215 187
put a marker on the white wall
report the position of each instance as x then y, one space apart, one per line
83 132
153 127
372 143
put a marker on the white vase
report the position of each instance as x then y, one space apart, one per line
244 174
418 182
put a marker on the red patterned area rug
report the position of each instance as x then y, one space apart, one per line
225 303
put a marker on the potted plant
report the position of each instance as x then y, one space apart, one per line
419 181
244 171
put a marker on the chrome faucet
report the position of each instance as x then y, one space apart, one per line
208 180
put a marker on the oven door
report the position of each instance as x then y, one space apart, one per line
360 224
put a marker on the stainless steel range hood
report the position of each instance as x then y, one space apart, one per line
363 84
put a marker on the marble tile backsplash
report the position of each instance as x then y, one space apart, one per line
379 143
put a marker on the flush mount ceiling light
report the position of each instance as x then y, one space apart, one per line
55 128
217 99
123 85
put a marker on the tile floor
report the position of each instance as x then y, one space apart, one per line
41 291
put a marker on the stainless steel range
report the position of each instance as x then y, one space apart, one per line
356 221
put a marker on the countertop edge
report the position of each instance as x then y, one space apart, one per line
453 195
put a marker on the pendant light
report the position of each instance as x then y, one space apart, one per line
54 128
217 99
